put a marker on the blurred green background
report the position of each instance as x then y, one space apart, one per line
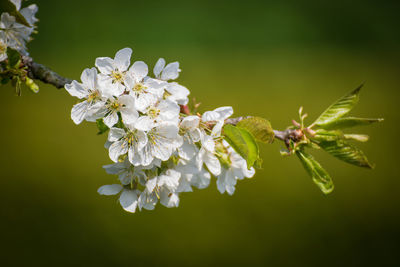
263 58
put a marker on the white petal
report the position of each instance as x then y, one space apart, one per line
17 4
129 200
104 64
122 59
114 168
144 123
187 151
79 111
144 100
179 93
151 184
109 190
171 71
159 67
146 156
169 111
111 119
190 122
142 139
76 89
212 163
169 199
89 78
224 112
210 116
168 130
139 70
216 131
115 134
118 148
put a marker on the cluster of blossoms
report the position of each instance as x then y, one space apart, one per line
14 34
158 151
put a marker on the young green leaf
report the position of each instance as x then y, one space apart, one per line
346 152
324 135
339 108
243 143
357 137
260 128
348 122
13 57
101 126
319 175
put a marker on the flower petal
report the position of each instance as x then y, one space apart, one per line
171 71
105 65
159 67
76 89
129 200
109 190
79 111
122 59
111 119
139 70
115 134
118 148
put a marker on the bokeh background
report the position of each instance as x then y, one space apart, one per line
263 58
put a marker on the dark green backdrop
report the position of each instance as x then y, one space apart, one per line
262 57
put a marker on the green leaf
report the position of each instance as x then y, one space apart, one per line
13 57
243 143
346 152
101 126
324 135
339 108
319 175
348 122
357 137
12 10
260 128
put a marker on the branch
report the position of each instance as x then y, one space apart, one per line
42 73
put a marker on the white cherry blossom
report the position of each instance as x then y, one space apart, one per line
113 71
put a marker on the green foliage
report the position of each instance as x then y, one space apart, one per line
260 128
319 175
348 122
14 58
101 126
346 152
338 109
243 143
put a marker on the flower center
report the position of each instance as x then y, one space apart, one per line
3 47
139 88
153 112
115 105
131 138
117 76
93 96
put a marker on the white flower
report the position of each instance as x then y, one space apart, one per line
191 175
177 93
126 172
163 140
132 142
3 46
128 198
218 115
162 111
191 134
207 156
147 91
147 200
165 73
90 91
236 170
124 104
113 71
169 180
15 34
